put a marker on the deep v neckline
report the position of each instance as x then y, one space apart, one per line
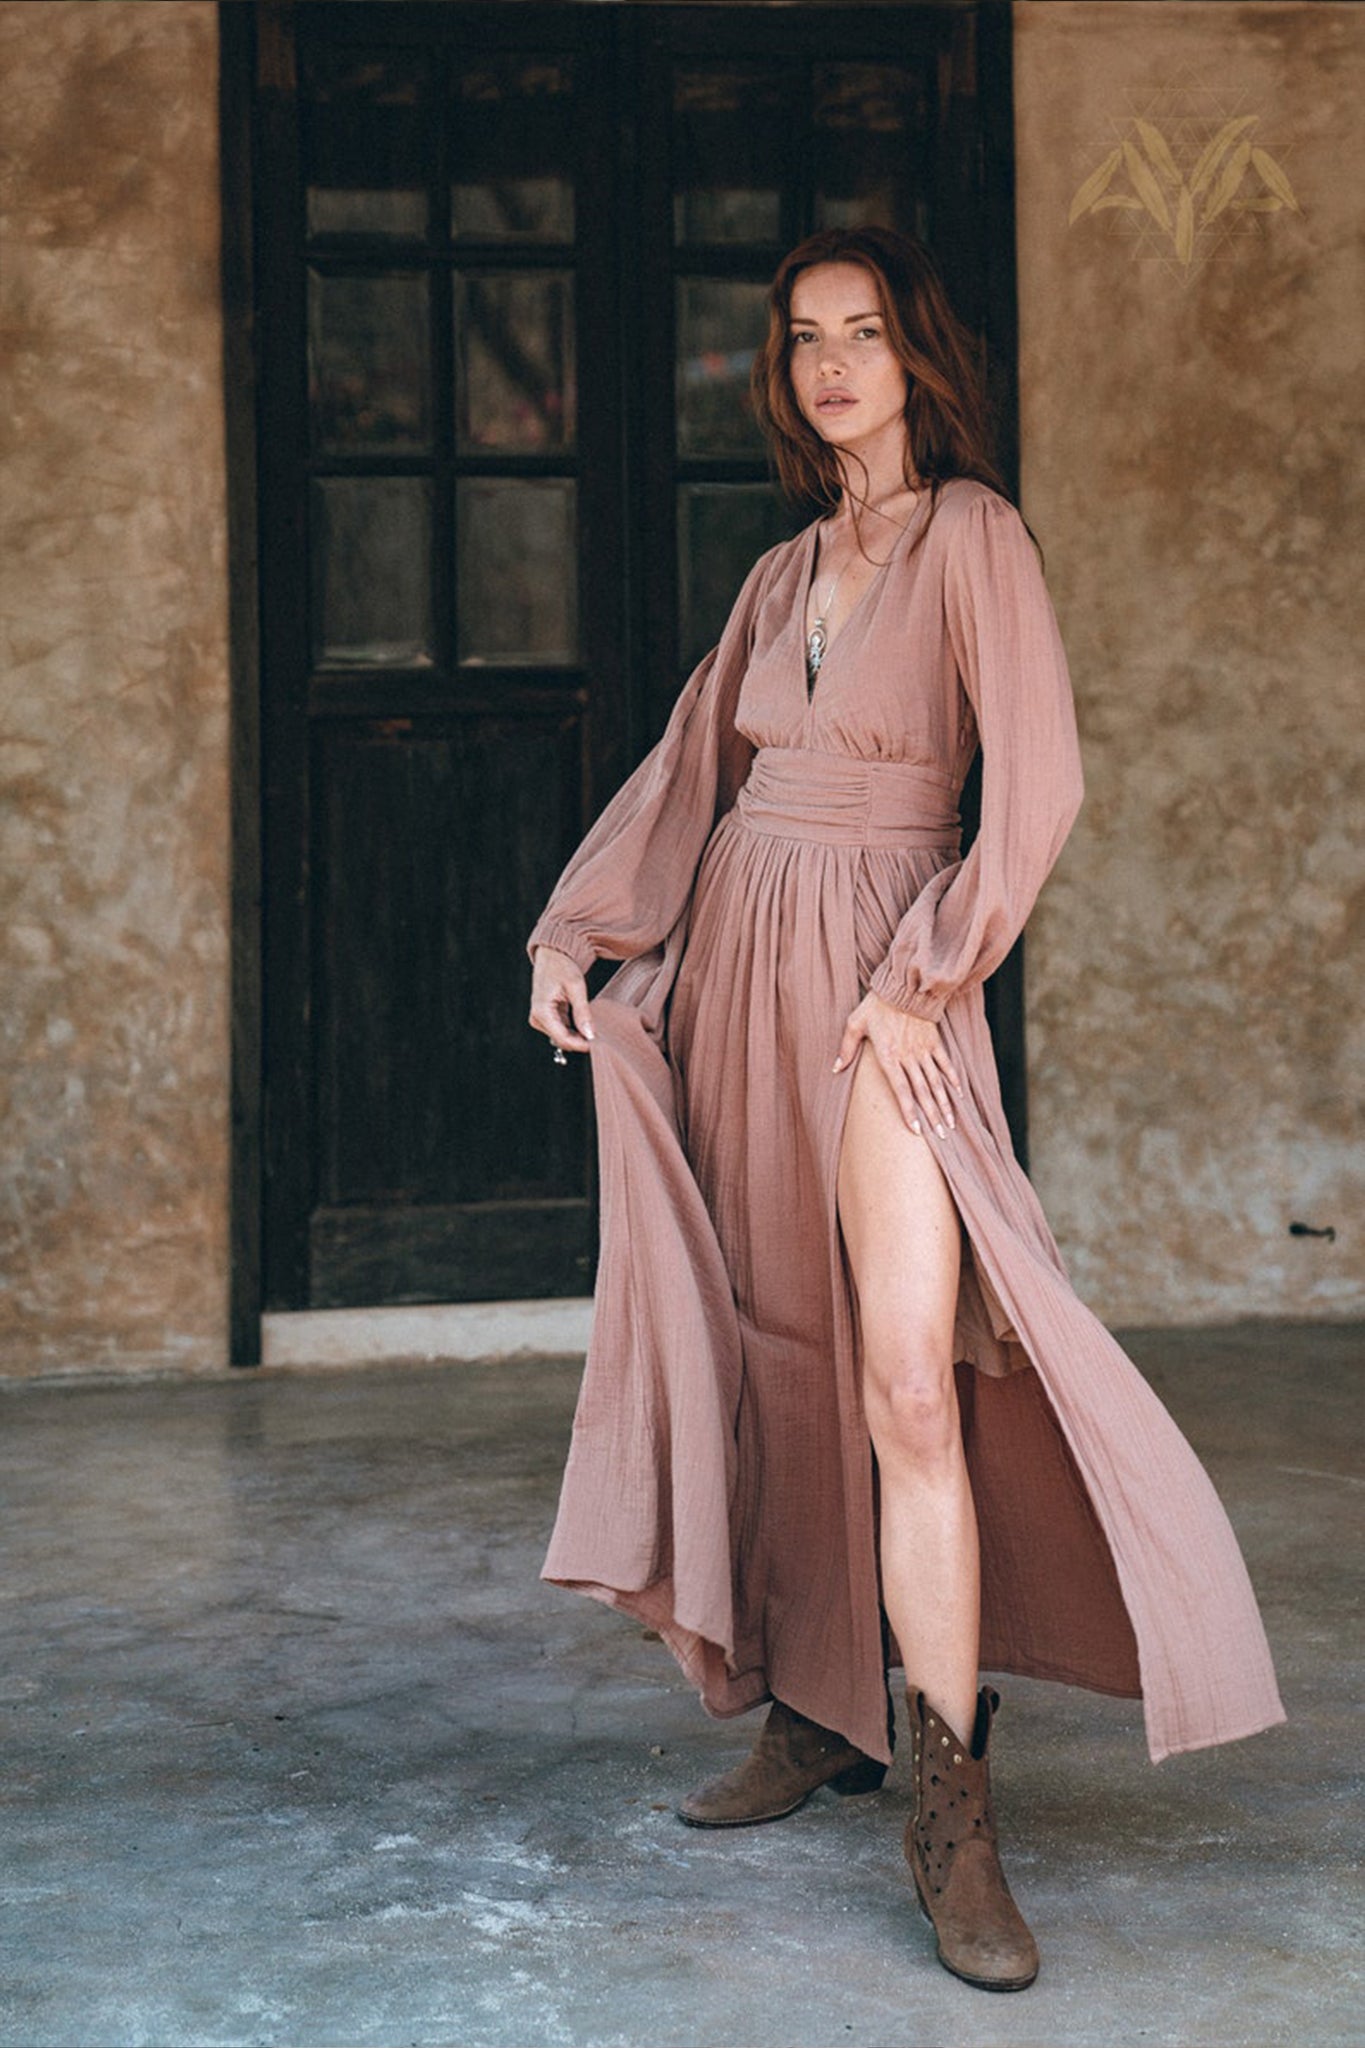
807 582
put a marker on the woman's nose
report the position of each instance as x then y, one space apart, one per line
831 361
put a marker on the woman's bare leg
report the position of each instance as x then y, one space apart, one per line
902 1235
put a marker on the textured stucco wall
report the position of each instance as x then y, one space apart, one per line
1195 1040
113 731
1193 466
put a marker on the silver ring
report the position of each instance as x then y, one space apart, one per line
559 1056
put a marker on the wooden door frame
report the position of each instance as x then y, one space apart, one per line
240 28
236 125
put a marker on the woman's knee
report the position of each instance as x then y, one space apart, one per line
911 1402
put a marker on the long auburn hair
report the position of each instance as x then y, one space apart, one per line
946 418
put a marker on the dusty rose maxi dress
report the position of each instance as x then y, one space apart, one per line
772 859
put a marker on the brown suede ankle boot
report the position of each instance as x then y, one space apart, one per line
792 1758
951 1849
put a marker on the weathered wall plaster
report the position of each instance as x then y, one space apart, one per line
1193 466
1196 1053
113 739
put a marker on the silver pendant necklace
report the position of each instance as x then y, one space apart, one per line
817 640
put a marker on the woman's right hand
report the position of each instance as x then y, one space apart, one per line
559 1001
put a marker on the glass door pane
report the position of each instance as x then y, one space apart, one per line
517 572
515 382
731 131
371 572
369 363
873 136
722 529
720 324
366 138
513 148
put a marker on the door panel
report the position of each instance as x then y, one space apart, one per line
425 1105
510 273
402 942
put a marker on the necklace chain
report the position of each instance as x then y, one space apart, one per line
817 640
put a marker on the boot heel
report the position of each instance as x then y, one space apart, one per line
864 1776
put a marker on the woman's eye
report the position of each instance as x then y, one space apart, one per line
798 338
869 334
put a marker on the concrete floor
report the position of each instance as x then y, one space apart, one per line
300 1752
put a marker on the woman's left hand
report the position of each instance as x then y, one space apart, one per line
911 1053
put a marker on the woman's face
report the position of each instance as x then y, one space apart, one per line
847 381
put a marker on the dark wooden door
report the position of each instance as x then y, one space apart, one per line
508 278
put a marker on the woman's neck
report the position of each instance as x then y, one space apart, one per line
861 510
871 485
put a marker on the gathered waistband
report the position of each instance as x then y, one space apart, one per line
798 793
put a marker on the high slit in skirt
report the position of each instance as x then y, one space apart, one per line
721 1484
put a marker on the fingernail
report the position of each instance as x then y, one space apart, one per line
952 1122
942 1133
837 1065
917 1131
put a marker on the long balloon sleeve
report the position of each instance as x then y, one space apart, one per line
1004 635
629 882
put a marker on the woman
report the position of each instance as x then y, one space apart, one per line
842 1408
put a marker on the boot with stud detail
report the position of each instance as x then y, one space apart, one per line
951 1848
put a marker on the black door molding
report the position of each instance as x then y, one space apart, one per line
236 112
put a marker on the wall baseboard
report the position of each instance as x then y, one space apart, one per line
459 1332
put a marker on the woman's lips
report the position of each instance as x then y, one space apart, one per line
835 401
